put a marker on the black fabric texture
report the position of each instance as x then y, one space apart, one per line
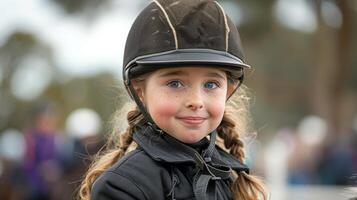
158 169
149 34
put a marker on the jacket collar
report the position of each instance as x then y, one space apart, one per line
163 147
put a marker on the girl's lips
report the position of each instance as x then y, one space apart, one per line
192 120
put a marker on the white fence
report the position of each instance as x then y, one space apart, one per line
313 193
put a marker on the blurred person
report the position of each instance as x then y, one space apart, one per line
337 164
302 164
310 134
181 84
11 173
354 148
12 181
42 164
84 140
276 157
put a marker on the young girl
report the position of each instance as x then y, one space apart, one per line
183 61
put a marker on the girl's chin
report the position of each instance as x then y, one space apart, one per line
187 136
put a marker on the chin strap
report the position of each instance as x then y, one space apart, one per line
240 81
142 108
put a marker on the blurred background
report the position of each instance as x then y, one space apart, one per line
60 82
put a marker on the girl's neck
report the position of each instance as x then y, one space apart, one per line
200 145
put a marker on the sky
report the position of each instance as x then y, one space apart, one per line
79 47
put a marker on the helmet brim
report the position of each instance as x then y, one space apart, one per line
193 56
206 57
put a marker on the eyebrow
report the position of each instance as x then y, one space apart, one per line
182 73
215 75
174 73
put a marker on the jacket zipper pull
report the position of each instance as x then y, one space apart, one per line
175 181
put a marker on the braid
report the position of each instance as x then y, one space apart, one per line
245 186
134 117
113 152
230 137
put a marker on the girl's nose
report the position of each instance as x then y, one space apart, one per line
194 100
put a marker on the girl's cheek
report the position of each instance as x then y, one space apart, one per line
217 109
216 105
164 108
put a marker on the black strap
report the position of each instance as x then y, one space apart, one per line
142 108
208 153
204 189
240 81
204 183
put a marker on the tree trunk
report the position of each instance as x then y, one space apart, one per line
332 69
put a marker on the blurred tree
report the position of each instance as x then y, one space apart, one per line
333 67
89 8
18 47
101 93
281 73
257 18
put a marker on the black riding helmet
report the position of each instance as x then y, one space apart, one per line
173 33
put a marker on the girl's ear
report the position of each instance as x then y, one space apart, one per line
139 89
231 88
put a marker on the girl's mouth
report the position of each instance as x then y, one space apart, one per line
192 120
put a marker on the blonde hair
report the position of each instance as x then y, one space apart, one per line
235 122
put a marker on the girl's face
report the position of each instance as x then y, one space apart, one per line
186 102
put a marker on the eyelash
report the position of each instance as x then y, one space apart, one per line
170 84
214 82
173 81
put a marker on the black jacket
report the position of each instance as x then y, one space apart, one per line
164 168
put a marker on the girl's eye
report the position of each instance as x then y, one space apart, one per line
211 85
175 84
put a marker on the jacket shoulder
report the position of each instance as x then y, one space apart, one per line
107 186
135 173
134 160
